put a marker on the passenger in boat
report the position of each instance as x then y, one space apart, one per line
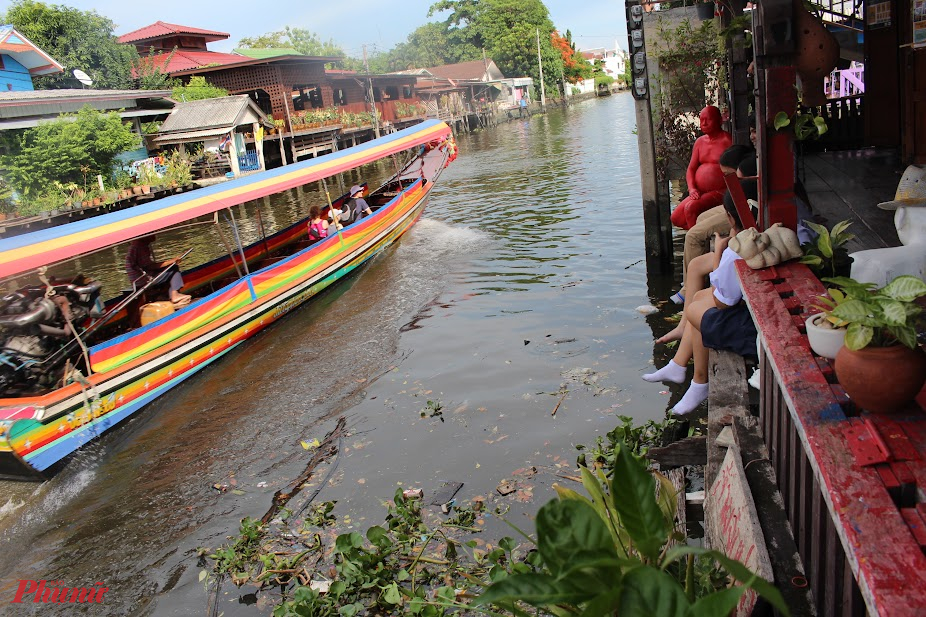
318 227
717 318
705 181
359 207
141 268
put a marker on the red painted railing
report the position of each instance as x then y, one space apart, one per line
850 481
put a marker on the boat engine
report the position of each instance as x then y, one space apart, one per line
37 331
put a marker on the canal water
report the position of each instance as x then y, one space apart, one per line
502 330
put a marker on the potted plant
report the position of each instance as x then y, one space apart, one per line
827 255
826 332
880 365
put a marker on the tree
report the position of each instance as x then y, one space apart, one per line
149 71
198 89
76 39
575 66
507 30
73 148
304 41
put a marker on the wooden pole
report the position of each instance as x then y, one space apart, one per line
366 67
543 98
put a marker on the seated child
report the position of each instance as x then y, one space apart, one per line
715 318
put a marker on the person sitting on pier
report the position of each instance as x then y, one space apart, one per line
714 220
705 180
359 207
141 268
318 227
717 318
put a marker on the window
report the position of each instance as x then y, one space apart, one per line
306 96
340 97
406 92
390 93
377 94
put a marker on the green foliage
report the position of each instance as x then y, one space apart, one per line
198 89
806 126
877 317
827 255
74 148
303 41
639 438
690 64
77 40
585 571
179 169
148 71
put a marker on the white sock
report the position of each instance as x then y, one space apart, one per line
694 396
670 372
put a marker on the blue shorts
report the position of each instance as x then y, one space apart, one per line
729 329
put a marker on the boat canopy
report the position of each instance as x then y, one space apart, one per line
26 252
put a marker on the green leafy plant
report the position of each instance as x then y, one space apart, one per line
827 254
805 125
639 438
876 317
611 554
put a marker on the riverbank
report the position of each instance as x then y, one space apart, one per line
515 295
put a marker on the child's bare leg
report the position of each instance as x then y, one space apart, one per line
695 277
675 371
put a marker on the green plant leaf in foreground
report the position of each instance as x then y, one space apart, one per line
634 496
569 532
649 591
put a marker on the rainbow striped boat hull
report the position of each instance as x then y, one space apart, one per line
131 370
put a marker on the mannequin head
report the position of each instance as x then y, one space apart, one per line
710 120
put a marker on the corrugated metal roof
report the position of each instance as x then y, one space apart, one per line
38 96
474 70
186 136
161 29
225 112
184 60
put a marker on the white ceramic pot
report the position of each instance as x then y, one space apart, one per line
825 342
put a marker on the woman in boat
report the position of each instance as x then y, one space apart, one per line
141 268
318 227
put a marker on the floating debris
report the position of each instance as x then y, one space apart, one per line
413 493
506 488
647 309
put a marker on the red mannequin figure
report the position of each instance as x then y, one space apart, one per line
705 180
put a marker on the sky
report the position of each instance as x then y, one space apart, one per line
378 24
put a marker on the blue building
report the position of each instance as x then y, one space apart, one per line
20 60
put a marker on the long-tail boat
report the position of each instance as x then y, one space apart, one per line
72 367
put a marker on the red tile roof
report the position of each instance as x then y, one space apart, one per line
162 29
183 60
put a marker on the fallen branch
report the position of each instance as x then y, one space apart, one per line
560 402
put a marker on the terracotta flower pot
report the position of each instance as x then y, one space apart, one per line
145 189
881 379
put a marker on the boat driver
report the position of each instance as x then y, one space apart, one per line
141 268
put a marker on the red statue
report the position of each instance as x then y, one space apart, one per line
705 180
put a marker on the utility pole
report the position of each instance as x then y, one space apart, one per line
543 99
366 67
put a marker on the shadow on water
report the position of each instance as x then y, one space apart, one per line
521 282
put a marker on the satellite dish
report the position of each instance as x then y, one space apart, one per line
83 77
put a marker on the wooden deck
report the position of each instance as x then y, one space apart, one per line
848 185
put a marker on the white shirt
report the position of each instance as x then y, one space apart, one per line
724 279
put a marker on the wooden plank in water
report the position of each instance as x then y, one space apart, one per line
688 451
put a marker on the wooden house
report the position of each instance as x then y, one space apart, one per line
20 60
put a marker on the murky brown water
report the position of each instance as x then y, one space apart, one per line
524 275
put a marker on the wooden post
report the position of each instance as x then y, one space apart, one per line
259 147
233 156
656 223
